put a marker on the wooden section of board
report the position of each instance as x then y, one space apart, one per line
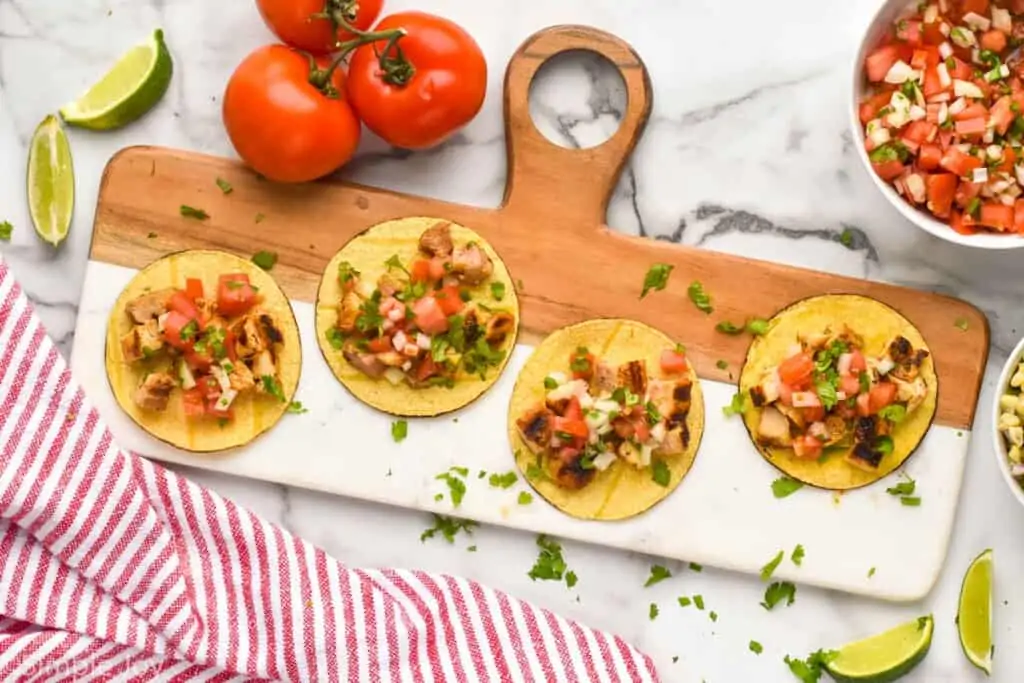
550 230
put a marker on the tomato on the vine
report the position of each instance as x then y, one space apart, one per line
317 25
417 90
287 120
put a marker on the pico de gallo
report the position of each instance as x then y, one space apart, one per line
943 120
595 415
213 349
827 393
420 325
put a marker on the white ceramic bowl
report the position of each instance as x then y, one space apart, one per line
999 443
888 13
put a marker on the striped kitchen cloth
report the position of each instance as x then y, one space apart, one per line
114 568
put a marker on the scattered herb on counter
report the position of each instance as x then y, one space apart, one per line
550 564
713 615
699 297
675 658
456 486
809 670
656 278
296 408
737 407
449 527
265 259
660 473
846 238
652 612
571 580
904 488
961 323
695 567
152 236
777 592
519 285
726 327
684 601
259 218
769 569
784 486
525 498
471 549
722 364
698 601
6 230
481 474
192 212
224 186
503 481
399 430
658 573
871 572
755 647
798 555
757 326
911 501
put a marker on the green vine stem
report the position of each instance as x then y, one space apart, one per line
321 78
395 68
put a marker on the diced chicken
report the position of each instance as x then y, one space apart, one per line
249 337
623 427
155 391
864 457
207 308
767 391
907 359
794 415
271 332
437 240
471 326
672 400
241 377
535 428
392 359
348 311
263 364
471 265
630 453
557 406
675 442
388 286
567 470
366 363
633 376
773 429
148 306
912 393
835 429
602 382
142 341
498 328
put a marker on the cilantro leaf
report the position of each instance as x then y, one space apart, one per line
658 573
498 290
893 413
784 486
652 612
798 555
503 481
726 327
846 238
721 364
224 186
550 565
448 527
656 278
757 326
192 212
525 498
961 324
297 408
694 567
698 601
571 579
660 473
871 572
684 601
273 387
335 338
456 486
904 488
394 263
265 259
6 229
737 407
827 393
777 592
699 297
755 647
399 430
769 569
810 670
911 501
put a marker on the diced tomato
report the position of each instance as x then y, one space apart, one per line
932 85
235 295
193 403
574 428
573 410
1009 159
813 414
931 34
208 387
673 361
807 447
174 325
450 300
932 112
785 394
1001 115
438 268
889 170
420 271
426 369
973 110
213 411
962 223
965 192
924 57
869 107
959 162
929 157
858 363
970 127
882 394
181 303
429 317
198 362
996 215
581 362
379 344
880 61
1018 215
993 40
920 132
976 6
961 70
796 371
946 138
910 32
864 405
194 288
941 188
849 385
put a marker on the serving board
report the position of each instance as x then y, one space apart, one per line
569 266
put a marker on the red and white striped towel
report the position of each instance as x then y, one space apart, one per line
114 568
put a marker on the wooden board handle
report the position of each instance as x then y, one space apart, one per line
540 172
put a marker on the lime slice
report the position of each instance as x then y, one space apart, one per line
885 657
130 89
51 181
974 617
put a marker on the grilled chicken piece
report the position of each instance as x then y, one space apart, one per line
437 240
557 406
602 381
470 265
364 362
864 457
241 377
271 332
155 391
630 453
912 393
263 364
142 341
794 415
835 430
388 285
773 430
633 376
672 399
498 328
471 327
568 472
535 428
675 441
907 359
148 306
392 359
623 427
348 311
249 337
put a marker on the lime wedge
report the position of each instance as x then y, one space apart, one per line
51 181
974 617
885 657
130 89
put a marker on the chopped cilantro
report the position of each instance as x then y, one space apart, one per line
653 414
722 364
297 408
685 601
695 567
265 259
904 488
755 647
713 615
809 670
652 612
550 565
656 278
726 327
503 481
259 218
394 263
961 323
399 430
865 382
224 186
769 569
784 486
658 573
884 444
893 413
273 387
189 331
846 238
335 338
777 592
871 572
798 555
911 501
571 580
346 273
698 601
550 383
699 297
660 473
471 549
456 486
191 212
498 290
6 229
757 326
525 498
449 527
736 407
827 393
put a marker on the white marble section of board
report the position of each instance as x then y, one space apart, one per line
723 514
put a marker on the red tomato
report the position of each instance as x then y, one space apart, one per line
176 330
585 364
970 127
965 192
961 70
573 411
642 429
909 32
929 157
1009 159
998 216
849 385
932 83
182 303
379 344
882 394
785 394
869 108
889 170
1018 215
931 34
813 414
1002 114
673 361
574 428
920 132
925 57
449 300
282 125
962 223
208 387
194 288
807 447
993 40
420 271
429 317
296 22
796 370
235 295
193 403
974 110
444 92
426 369
959 162
976 6
858 364
438 268
880 61
941 188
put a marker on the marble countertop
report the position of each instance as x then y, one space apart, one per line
747 152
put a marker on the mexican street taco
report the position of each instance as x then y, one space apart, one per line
605 418
839 392
203 350
417 316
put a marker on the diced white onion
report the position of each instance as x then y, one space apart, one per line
944 78
399 340
957 106
396 314
1018 171
596 419
917 113
885 366
964 147
817 429
795 349
987 138
364 289
658 432
606 405
1007 199
963 37
980 175
945 50
388 325
977 22
221 377
645 455
805 399
604 460
161 320
586 400
943 113
411 350
879 136
931 14
188 380
394 375
999 186
1001 20
225 399
966 89
943 96
1004 71
423 341
568 390
944 28
900 72
407 366
994 152
840 395
915 187
559 377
